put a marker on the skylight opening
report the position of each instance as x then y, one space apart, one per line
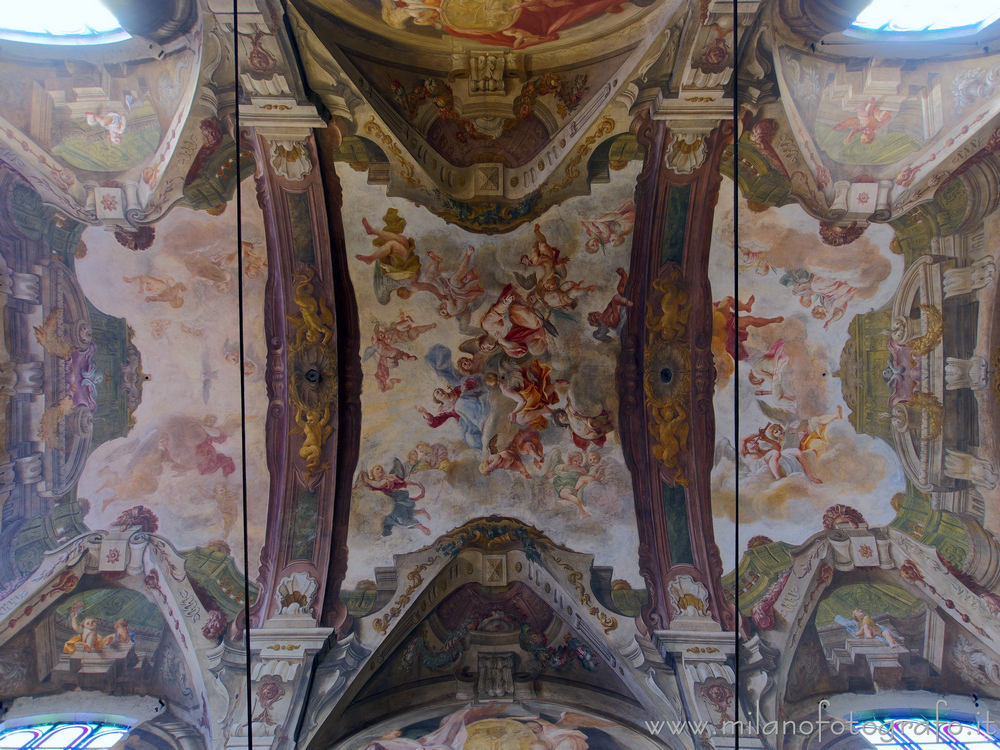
923 734
902 16
60 22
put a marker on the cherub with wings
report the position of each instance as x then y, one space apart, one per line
864 627
183 443
397 265
613 316
253 261
545 260
870 117
569 479
384 336
770 366
524 443
611 228
831 297
229 507
531 389
395 486
513 324
315 429
562 295
738 321
586 430
159 290
210 271
113 122
158 327
768 444
459 292
755 259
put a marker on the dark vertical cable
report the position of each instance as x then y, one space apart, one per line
736 374
736 286
243 383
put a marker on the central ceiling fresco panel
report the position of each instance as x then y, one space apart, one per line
489 369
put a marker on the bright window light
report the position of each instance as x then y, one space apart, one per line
68 736
925 15
60 21
926 734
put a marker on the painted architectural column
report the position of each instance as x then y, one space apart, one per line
666 370
334 613
302 383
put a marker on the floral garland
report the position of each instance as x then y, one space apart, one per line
491 531
568 97
457 641
558 657
489 214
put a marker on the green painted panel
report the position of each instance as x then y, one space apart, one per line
360 602
758 569
111 604
678 205
214 183
304 525
113 336
301 220
678 530
216 572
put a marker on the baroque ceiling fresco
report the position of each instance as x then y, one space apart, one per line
553 374
490 375
866 450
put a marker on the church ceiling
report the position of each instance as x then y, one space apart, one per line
190 402
510 343
486 137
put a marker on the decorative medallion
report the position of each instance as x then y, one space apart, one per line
474 15
667 373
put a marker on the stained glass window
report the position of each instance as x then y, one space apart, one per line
928 734
60 22
62 736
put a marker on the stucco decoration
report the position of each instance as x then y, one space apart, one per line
687 152
291 159
296 594
689 599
